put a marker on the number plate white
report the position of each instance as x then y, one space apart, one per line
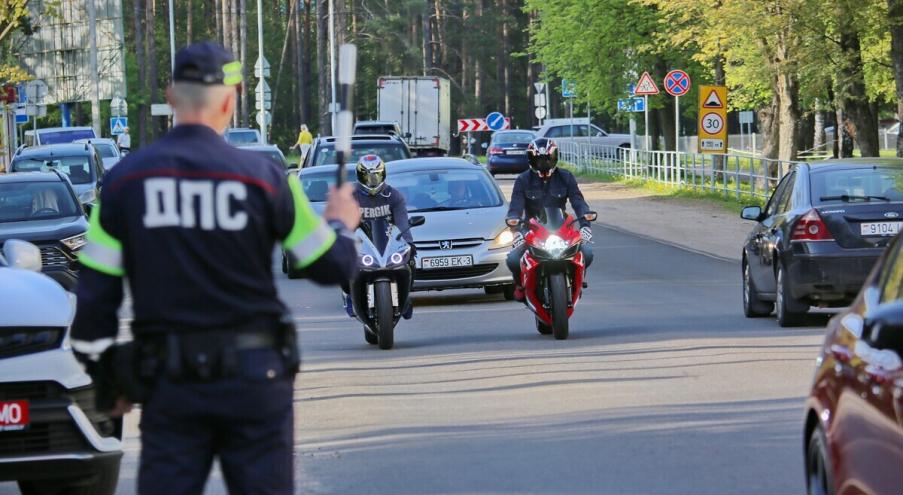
515 152
446 262
880 228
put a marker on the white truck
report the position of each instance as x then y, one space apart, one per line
422 108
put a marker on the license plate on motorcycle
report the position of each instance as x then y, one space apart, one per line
13 415
446 262
880 228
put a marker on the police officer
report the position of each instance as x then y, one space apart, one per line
545 185
192 223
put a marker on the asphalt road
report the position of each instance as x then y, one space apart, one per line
663 387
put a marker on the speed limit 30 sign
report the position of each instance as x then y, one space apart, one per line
712 130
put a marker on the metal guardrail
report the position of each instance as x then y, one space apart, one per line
729 175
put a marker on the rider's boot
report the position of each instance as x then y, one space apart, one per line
519 293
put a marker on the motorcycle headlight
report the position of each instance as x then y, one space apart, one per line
75 242
367 260
396 258
555 246
503 240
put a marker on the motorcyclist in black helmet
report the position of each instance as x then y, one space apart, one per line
378 199
542 186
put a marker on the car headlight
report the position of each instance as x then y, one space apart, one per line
75 242
87 197
503 240
555 246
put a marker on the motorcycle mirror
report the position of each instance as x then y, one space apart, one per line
591 216
417 221
512 222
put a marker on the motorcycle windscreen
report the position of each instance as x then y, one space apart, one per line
552 218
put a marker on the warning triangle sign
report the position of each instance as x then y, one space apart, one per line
645 86
713 101
118 128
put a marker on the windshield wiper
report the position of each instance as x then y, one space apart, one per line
846 198
436 208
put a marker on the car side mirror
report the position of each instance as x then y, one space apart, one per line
883 328
21 254
416 221
591 216
753 213
598 134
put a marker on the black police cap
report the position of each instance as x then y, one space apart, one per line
206 63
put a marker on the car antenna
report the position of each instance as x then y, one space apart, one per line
345 118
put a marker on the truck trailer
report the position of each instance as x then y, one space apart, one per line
422 108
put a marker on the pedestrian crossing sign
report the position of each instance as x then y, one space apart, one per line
118 125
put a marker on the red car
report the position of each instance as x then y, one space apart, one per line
853 439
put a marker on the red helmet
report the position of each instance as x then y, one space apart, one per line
542 154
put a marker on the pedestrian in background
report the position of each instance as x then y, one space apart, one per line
305 139
124 141
191 223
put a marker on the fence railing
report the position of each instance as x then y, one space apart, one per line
729 175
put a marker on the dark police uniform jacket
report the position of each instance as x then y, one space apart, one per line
532 195
388 204
191 222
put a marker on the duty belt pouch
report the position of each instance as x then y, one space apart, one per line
288 344
203 356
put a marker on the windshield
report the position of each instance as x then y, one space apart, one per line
856 184
241 137
388 151
78 168
512 138
67 136
317 185
437 190
20 201
105 150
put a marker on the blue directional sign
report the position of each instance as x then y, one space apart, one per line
635 104
21 115
568 88
495 121
118 125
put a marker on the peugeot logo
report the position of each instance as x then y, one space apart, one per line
891 214
446 245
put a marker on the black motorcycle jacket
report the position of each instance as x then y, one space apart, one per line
389 204
532 195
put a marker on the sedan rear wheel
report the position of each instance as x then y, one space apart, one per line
819 474
753 307
789 311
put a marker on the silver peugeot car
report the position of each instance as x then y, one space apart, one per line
464 242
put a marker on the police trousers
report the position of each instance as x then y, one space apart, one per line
246 421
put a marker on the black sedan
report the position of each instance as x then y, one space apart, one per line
819 236
508 151
41 207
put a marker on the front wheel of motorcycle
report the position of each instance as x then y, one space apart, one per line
542 327
385 321
558 305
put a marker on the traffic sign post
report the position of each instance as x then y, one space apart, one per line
478 125
677 84
495 121
746 117
635 104
712 126
645 87
540 101
118 125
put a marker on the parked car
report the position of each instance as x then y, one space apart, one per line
370 127
241 136
42 208
580 129
271 151
387 147
819 235
107 148
52 438
853 432
80 162
508 151
57 135
464 242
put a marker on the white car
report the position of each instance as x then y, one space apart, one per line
580 129
108 149
52 440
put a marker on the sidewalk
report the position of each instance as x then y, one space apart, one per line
697 225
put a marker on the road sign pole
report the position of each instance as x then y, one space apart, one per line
646 125
677 123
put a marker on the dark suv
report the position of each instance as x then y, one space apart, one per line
81 162
41 207
387 147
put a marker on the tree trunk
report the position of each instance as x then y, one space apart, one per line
441 36
807 131
227 23
850 85
666 114
895 18
818 137
218 14
477 66
768 127
243 21
323 66
505 59
188 21
151 57
426 37
142 77
306 64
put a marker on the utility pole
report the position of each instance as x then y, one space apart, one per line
261 96
95 77
332 102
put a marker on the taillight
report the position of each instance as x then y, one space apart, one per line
810 227
495 150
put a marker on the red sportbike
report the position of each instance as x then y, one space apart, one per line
552 269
